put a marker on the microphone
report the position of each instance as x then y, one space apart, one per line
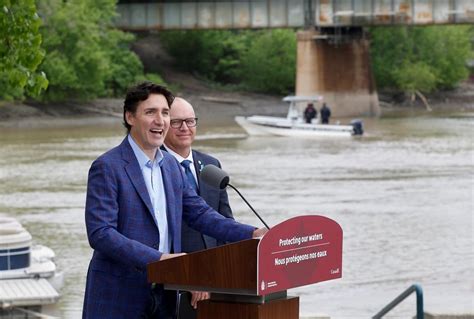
218 178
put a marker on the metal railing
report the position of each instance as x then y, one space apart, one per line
399 299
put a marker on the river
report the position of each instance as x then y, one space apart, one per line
403 194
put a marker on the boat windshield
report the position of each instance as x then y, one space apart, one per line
298 103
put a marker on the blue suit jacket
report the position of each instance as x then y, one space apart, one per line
122 231
192 240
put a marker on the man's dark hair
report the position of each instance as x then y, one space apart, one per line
141 92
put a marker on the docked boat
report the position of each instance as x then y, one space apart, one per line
29 279
294 123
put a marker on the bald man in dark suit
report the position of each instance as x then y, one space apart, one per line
178 143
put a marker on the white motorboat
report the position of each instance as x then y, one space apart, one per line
294 124
29 279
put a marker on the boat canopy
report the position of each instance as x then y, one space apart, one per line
302 98
295 109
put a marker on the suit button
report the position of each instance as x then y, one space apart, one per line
156 246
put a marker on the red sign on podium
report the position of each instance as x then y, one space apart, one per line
299 251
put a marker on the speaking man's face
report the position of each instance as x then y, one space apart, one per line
150 123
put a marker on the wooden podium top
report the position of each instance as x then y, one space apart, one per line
230 268
297 252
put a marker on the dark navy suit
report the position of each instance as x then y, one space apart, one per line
191 239
122 231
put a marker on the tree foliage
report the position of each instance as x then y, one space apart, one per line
415 77
214 54
269 65
85 56
420 58
260 61
404 58
20 50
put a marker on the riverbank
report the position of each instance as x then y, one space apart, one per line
210 107
458 99
211 104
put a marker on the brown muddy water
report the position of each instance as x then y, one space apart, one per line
403 194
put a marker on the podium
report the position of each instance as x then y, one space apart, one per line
249 279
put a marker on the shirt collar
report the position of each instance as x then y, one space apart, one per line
141 156
178 157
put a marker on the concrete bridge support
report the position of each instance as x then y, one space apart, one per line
339 71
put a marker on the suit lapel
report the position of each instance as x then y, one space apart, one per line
199 162
135 175
170 197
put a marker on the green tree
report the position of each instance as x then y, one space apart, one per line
20 50
420 58
270 62
415 77
260 60
214 54
86 57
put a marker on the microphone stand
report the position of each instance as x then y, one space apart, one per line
248 204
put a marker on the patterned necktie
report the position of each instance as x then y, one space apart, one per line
189 174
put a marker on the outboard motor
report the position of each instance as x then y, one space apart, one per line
357 127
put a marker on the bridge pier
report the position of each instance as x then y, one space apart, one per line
339 71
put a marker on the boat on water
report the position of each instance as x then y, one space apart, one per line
29 279
294 123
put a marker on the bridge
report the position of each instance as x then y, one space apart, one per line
256 14
332 49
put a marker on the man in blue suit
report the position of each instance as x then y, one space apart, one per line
178 142
137 197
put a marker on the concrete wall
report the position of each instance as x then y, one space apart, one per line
341 73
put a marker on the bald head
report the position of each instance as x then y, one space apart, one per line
180 105
180 139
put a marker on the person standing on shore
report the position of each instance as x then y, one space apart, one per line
137 197
178 142
325 114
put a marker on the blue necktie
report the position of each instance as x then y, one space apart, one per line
189 174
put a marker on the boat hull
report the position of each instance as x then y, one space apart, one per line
266 125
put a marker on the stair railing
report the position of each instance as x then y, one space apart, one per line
401 297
